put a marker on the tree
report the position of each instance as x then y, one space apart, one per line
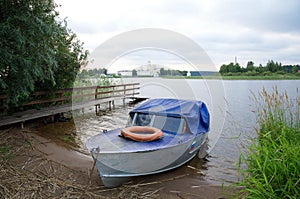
184 73
260 69
83 73
274 66
230 68
250 66
103 71
224 69
37 50
162 72
70 56
134 73
295 69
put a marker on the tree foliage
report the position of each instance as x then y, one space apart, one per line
163 72
134 73
230 68
92 72
37 49
252 70
274 66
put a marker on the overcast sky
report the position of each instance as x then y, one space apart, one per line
256 30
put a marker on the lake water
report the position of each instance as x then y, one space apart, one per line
233 119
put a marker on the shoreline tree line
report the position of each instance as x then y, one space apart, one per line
271 67
231 69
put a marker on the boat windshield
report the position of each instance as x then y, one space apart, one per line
172 125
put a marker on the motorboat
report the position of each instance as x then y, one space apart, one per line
160 135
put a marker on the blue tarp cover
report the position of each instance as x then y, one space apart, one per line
195 113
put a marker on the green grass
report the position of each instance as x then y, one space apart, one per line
5 153
69 139
271 77
273 162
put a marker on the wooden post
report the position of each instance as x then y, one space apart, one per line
124 95
133 87
109 105
124 91
96 96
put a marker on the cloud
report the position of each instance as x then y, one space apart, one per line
179 8
262 15
256 30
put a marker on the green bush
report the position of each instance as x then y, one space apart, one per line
281 72
251 73
266 73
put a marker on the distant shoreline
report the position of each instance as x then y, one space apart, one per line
275 77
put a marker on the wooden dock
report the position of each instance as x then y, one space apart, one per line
69 99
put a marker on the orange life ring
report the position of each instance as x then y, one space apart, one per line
142 133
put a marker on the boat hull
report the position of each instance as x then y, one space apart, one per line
115 168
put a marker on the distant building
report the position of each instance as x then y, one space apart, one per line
195 73
151 70
125 73
203 73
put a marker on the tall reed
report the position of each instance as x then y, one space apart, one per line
273 162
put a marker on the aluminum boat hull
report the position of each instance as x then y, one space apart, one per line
117 167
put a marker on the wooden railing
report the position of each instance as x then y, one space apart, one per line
79 94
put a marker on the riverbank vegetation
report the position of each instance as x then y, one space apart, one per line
38 51
240 77
270 69
96 77
233 71
273 163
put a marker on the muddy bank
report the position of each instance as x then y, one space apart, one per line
40 167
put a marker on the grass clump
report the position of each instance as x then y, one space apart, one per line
5 153
273 163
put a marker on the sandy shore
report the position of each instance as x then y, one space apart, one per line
38 167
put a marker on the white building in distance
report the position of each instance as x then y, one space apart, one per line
125 73
147 70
